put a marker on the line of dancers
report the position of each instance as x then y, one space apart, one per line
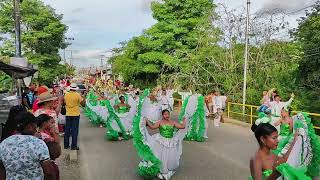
288 146
129 114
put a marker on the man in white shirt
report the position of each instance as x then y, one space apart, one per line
276 106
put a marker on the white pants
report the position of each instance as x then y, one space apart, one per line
216 121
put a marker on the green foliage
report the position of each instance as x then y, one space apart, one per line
181 50
308 74
159 49
42 36
5 82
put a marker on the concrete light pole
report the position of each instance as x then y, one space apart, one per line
246 56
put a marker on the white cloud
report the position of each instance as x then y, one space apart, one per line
286 5
88 54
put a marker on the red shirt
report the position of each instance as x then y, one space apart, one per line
35 106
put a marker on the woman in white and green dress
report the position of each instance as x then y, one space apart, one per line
296 156
119 122
151 108
194 110
93 108
161 152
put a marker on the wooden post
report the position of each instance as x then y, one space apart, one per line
251 115
228 110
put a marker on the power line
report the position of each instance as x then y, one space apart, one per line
296 11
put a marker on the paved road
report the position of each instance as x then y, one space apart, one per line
223 157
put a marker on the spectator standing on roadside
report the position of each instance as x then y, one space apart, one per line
39 90
28 98
72 100
48 105
10 128
47 129
24 156
217 108
209 103
223 98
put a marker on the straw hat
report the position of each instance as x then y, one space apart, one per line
46 96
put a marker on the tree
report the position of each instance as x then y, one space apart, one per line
308 74
163 48
42 36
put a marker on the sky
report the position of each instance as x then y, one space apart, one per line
99 25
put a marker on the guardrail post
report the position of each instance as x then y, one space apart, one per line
228 110
251 115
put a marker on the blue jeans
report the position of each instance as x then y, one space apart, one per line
71 129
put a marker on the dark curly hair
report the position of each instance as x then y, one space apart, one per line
11 125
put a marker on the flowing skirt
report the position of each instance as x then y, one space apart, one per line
151 111
120 124
195 113
167 150
304 157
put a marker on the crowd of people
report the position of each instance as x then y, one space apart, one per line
288 146
30 142
127 113
31 137
216 105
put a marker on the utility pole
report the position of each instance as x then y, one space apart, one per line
16 6
101 65
17 27
246 56
71 58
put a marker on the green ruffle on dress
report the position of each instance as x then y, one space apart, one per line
166 131
285 129
112 134
198 120
287 172
265 174
123 109
290 173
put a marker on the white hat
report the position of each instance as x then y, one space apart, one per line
74 87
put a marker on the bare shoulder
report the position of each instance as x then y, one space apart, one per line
255 159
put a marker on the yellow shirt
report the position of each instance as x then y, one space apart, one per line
72 100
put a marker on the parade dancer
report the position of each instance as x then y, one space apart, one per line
184 95
276 107
160 153
119 122
169 93
295 157
286 123
151 107
166 104
194 110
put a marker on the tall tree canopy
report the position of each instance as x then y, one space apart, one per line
308 34
42 36
163 48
